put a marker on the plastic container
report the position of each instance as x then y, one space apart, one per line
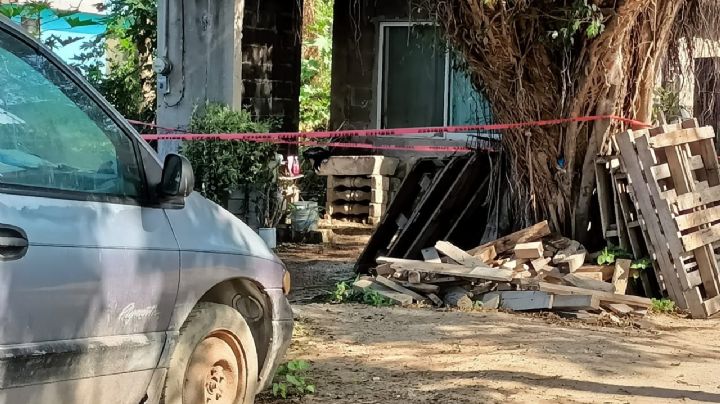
269 236
304 217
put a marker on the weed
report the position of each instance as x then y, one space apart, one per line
373 298
344 293
663 306
611 253
291 380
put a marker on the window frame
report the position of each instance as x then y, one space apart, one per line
381 85
144 196
448 84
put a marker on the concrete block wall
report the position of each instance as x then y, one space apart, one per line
271 48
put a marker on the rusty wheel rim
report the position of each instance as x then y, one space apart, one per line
215 372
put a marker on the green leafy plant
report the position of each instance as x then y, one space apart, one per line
222 166
663 306
642 264
611 253
583 18
373 298
345 293
316 66
667 104
291 380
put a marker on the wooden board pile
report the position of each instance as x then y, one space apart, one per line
527 270
674 178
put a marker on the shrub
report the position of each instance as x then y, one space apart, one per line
222 166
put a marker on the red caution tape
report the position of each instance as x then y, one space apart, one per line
282 137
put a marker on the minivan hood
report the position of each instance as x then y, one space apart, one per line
204 226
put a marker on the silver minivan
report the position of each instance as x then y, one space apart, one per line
118 284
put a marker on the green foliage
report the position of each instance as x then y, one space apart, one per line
667 105
291 380
373 298
128 81
316 68
31 9
345 293
663 306
611 253
221 166
582 19
642 264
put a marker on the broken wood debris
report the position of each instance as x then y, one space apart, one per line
518 274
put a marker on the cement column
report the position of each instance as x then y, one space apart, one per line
199 59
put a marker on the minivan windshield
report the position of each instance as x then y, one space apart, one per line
53 135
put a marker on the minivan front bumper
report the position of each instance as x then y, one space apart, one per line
282 329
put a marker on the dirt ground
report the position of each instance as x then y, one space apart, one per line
362 354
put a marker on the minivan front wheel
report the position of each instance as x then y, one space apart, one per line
215 361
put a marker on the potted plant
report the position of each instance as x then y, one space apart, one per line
273 204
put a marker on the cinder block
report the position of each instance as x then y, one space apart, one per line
350 195
359 165
377 209
348 209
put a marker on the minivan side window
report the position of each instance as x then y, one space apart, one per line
53 136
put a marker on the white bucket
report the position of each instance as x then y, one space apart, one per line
269 236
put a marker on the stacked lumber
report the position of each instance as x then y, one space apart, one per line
527 270
674 176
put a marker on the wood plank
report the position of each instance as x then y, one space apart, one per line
508 242
695 199
662 171
458 255
576 302
430 254
586 283
480 272
701 238
426 206
384 270
682 136
604 194
421 287
540 263
656 222
619 308
634 301
435 299
449 206
395 218
620 276
598 276
684 183
572 262
487 254
529 250
607 271
698 218
400 289
396 297
522 300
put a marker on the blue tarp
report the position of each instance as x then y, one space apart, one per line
50 22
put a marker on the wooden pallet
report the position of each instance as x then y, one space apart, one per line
671 168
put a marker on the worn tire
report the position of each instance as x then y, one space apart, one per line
208 339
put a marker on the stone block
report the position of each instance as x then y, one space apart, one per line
359 165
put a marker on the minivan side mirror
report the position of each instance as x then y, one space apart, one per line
178 179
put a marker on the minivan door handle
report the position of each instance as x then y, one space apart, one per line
13 243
